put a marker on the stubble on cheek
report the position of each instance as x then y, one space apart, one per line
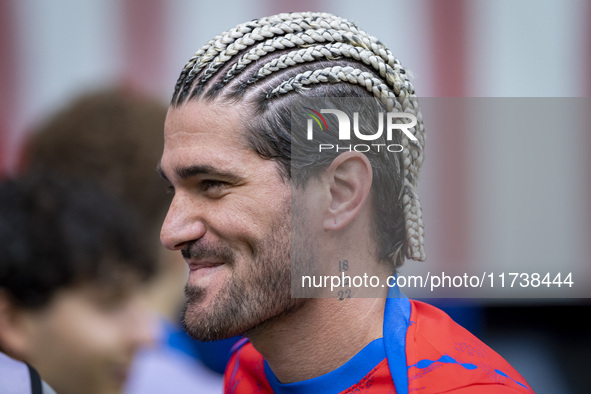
193 296
248 299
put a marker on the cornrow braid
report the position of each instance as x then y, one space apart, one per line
182 87
274 30
347 45
220 43
308 37
270 59
328 52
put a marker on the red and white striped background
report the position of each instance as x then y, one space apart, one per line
52 51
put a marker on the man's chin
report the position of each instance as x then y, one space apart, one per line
214 323
215 314
207 321
202 331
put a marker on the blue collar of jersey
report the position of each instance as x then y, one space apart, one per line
396 322
392 347
338 380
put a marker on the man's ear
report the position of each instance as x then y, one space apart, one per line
13 339
349 178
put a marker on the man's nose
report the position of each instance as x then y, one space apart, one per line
183 224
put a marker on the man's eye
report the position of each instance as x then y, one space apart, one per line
169 189
212 185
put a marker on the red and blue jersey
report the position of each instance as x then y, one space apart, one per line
423 351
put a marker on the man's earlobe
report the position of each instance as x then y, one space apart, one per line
350 178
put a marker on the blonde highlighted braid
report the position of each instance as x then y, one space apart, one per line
272 58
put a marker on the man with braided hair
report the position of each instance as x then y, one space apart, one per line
257 202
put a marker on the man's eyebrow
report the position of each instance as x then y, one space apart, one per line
191 171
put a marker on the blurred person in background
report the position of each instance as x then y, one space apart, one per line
72 267
114 138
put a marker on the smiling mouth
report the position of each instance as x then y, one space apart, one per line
201 265
203 270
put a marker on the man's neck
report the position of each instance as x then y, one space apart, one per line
320 337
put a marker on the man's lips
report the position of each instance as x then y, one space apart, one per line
204 270
195 265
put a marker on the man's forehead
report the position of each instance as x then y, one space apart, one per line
199 123
208 148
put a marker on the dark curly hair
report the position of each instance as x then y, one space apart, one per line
55 234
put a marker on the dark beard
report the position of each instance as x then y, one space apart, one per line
243 304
